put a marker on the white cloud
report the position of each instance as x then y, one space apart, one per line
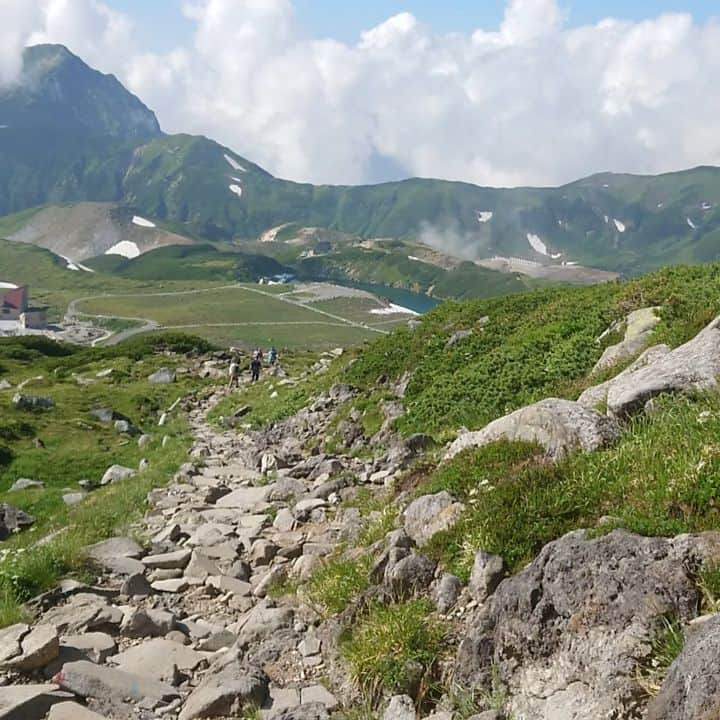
532 102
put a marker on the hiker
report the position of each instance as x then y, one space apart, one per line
234 372
255 366
272 355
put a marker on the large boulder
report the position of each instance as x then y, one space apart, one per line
430 514
567 633
691 690
557 425
164 376
116 473
32 402
694 366
29 702
13 520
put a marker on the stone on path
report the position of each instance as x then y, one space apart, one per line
72 711
10 638
176 560
140 622
246 499
158 659
29 702
226 696
96 646
117 555
39 647
319 694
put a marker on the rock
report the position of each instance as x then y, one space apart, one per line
75 498
487 572
39 647
116 473
596 396
263 621
176 560
159 659
27 484
72 711
245 499
400 707
221 697
694 366
144 441
95 646
431 514
110 686
124 427
5 385
117 555
691 690
218 641
32 402
136 585
171 585
262 552
140 622
13 520
29 702
411 575
225 584
310 646
447 593
10 638
304 508
639 325
456 337
310 711
164 376
559 426
319 694
565 635
284 520
201 566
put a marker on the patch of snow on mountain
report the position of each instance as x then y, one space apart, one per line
660 205
691 224
555 256
234 164
126 248
537 244
619 225
236 189
484 216
393 309
237 180
605 185
142 222
8 286
707 206
72 265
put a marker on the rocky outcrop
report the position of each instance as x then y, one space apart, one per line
691 690
557 425
429 515
638 326
567 633
13 520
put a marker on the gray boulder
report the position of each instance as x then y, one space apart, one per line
139 623
72 711
116 473
29 702
487 572
400 707
32 402
566 634
13 520
557 425
309 711
410 576
27 484
39 647
431 514
117 555
639 326
164 376
691 690
694 366
447 592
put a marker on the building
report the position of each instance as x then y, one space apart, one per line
15 309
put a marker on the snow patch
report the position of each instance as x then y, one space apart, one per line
484 216
142 222
607 219
707 206
537 244
236 189
72 265
605 185
8 286
691 224
234 164
661 205
125 248
392 309
619 225
237 180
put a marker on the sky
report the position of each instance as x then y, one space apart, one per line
494 92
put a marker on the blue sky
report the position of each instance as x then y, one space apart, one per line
161 25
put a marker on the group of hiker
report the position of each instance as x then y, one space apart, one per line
256 363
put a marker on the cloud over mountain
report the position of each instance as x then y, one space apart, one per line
532 102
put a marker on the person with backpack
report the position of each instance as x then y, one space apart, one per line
272 355
234 372
255 366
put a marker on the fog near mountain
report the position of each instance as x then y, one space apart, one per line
531 102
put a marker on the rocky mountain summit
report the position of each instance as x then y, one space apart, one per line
297 571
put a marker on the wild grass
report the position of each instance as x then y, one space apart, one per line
395 649
666 644
336 582
660 479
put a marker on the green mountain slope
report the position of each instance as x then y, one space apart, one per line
108 147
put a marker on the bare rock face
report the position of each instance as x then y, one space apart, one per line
694 366
567 633
691 690
558 425
639 326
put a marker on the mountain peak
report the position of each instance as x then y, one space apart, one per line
59 92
